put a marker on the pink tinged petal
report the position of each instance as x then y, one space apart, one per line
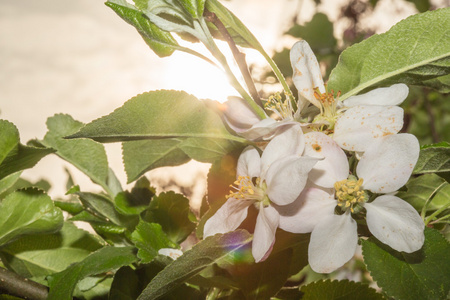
393 95
288 142
306 72
334 165
357 127
312 207
265 129
227 218
395 223
333 243
238 115
388 162
287 177
264 235
249 163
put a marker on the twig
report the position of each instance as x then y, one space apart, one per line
238 55
16 285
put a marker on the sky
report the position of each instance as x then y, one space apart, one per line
79 58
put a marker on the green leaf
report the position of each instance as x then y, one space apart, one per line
9 139
342 289
142 156
161 42
15 157
234 26
186 127
318 33
413 51
158 114
149 238
424 274
103 260
38 255
40 215
8 181
136 201
263 280
101 206
422 188
125 286
194 7
202 255
173 213
88 156
433 159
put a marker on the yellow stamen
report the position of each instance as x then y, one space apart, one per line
349 193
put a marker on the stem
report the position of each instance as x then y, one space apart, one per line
238 55
16 285
441 220
430 218
279 75
424 208
212 47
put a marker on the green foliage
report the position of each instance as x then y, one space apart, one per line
343 289
205 253
424 274
191 131
318 32
136 201
161 42
15 157
173 213
40 215
149 238
103 260
433 159
87 155
428 190
36 256
414 51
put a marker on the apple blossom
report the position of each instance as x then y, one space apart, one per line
246 122
277 177
385 167
356 121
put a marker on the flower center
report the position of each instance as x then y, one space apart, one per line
245 189
283 109
328 112
349 193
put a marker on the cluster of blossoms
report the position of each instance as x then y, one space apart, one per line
302 182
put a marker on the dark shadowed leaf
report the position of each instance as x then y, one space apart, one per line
424 274
103 260
344 289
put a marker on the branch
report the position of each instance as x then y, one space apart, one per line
16 285
238 55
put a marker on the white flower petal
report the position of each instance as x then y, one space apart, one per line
334 167
264 129
170 252
333 243
264 235
388 162
357 127
238 115
395 223
288 142
306 72
393 95
227 218
249 163
301 216
287 177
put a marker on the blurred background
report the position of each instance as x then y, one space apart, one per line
79 58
